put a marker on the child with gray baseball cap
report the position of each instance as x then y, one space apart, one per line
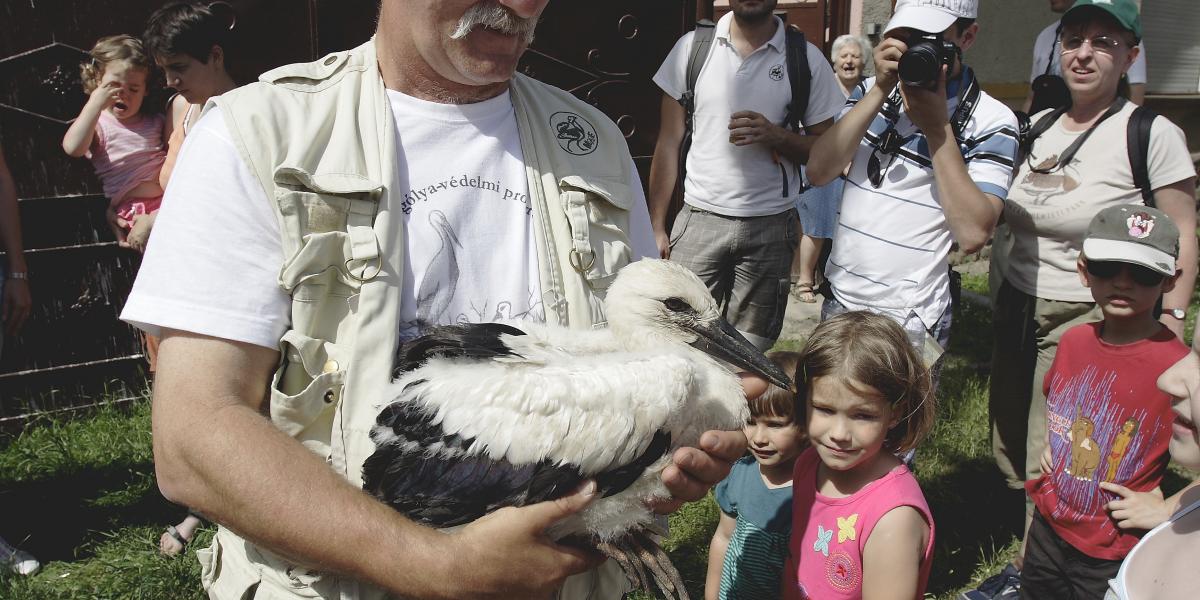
1108 425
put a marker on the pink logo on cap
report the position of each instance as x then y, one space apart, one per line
1140 225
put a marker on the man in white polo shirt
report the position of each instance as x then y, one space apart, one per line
738 227
930 165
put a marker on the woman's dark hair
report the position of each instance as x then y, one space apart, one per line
190 28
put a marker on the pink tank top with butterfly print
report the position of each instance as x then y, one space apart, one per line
825 559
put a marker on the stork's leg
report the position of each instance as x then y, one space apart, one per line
628 563
666 576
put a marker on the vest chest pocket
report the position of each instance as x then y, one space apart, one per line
597 211
330 249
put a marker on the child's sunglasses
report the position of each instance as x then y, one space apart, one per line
1107 269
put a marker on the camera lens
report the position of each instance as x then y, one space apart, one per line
920 65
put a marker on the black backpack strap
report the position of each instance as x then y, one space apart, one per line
800 77
1040 127
702 41
1137 142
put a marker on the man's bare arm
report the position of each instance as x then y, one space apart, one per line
836 147
664 170
216 452
970 213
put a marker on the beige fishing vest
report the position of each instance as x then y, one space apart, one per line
320 138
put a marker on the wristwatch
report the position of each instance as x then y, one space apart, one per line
18 275
1178 313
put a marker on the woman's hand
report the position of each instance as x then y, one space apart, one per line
1136 510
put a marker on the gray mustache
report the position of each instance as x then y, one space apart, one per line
494 16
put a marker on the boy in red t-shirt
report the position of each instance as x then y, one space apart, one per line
1107 422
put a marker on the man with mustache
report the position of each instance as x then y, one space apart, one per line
318 217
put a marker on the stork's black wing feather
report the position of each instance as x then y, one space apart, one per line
430 477
472 340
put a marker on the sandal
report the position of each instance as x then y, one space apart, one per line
804 292
178 537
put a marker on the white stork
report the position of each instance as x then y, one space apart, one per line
493 415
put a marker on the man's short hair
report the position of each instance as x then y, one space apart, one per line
962 24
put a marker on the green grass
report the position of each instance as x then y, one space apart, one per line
80 495
89 508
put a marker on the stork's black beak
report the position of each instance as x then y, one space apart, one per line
719 339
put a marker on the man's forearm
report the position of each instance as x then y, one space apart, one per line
797 147
830 154
218 455
664 173
970 214
664 169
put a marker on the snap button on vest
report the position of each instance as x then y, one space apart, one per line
329 395
330 366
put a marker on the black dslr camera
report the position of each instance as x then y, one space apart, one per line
921 64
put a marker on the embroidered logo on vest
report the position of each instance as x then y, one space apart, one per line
777 73
575 134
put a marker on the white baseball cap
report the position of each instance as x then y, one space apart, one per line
931 15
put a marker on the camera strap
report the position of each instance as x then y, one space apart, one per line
1069 154
968 99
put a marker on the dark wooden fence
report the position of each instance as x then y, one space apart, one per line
74 352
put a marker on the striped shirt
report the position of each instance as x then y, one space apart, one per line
753 564
127 153
891 243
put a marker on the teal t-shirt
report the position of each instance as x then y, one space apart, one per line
758 547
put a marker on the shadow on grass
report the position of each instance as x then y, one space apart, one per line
60 518
975 513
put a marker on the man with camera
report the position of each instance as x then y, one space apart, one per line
930 157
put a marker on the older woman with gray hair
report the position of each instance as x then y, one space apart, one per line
818 207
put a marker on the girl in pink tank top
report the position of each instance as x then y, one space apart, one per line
860 527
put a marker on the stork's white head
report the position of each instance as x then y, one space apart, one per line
657 302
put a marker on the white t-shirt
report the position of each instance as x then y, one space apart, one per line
743 181
1045 51
891 242
212 264
1048 214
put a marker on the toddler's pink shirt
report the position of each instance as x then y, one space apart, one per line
126 153
825 559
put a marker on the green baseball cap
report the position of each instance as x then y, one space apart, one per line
1124 11
1132 233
